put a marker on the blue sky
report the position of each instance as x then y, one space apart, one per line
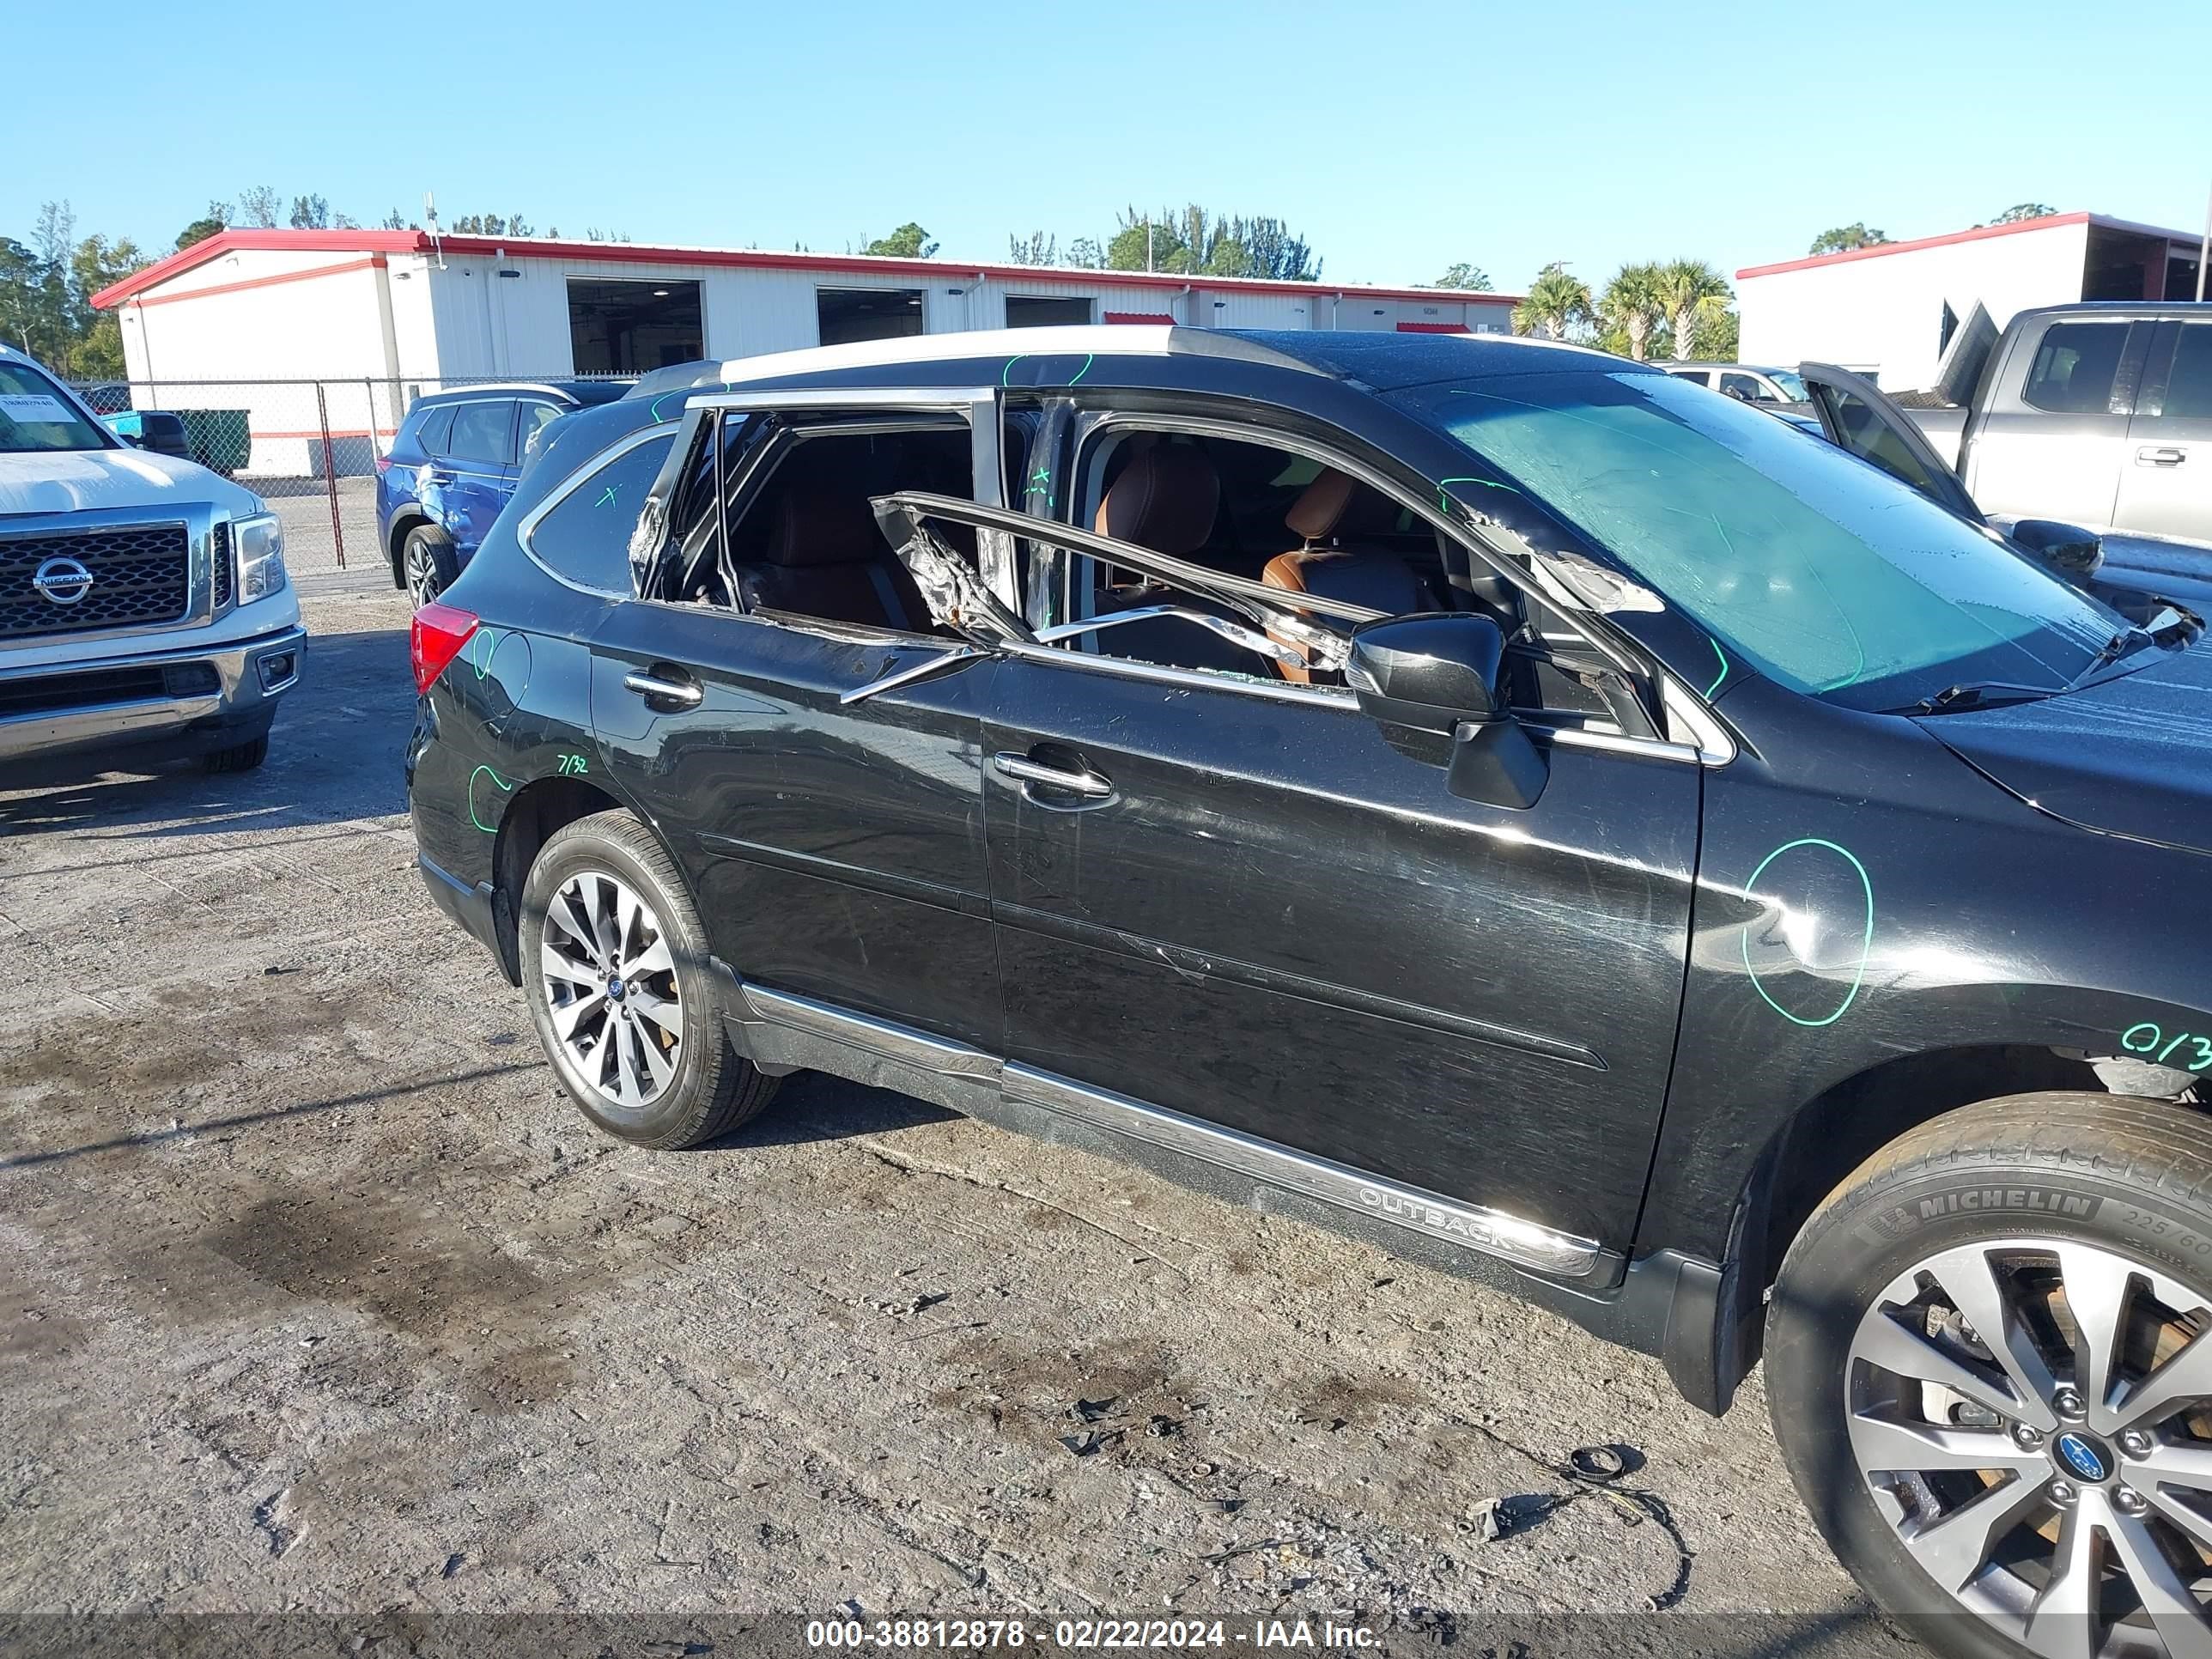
1396 136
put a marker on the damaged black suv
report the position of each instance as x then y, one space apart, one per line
1534 813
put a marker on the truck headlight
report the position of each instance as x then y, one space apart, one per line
259 542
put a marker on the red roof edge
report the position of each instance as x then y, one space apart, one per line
2049 221
416 242
234 241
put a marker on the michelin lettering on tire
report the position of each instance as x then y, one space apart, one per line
1834 917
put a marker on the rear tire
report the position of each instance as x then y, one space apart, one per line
429 563
1986 1316
649 1062
238 757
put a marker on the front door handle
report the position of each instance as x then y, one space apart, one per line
1025 770
683 693
2161 455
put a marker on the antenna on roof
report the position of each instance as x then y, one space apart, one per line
430 216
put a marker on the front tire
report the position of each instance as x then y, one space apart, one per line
238 757
613 965
428 564
1989 1366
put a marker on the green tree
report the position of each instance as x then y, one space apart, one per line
1683 285
1634 305
2013 215
909 241
1142 242
1556 302
1038 249
215 219
1718 333
310 213
490 224
96 353
1843 237
257 207
1461 274
396 220
1193 239
1085 253
46 289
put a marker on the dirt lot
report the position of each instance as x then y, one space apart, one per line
315 1296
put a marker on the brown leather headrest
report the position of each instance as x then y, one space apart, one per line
820 522
1335 505
1164 500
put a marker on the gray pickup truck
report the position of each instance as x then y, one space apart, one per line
143 602
2098 414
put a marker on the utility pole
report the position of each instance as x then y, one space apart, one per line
1148 256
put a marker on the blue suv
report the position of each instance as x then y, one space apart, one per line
453 464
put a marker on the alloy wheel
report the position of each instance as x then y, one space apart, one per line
2030 1416
421 574
611 985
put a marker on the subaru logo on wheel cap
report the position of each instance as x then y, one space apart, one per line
2079 1455
63 581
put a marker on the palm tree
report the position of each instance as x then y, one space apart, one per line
1633 303
1685 286
1555 303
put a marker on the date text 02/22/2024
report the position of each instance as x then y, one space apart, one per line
1326 1634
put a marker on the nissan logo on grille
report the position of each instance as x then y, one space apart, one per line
63 581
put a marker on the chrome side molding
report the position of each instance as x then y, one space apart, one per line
979 1079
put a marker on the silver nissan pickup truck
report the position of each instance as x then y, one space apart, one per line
144 608
2098 414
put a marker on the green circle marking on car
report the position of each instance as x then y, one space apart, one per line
1006 373
1866 939
505 788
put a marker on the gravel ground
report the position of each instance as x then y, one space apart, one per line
314 1296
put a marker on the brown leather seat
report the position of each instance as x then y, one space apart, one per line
1165 500
822 555
1334 510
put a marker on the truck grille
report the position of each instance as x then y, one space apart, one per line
141 574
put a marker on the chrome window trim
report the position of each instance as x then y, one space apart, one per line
575 481
1713 748
1618 743
1324 696
858 396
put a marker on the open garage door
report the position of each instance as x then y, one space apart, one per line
628 325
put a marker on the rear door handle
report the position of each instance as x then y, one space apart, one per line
1021 768
685 694
2161 455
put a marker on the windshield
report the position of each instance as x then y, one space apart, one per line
35 416
1816 569
1792 387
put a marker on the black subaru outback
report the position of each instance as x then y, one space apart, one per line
1504 801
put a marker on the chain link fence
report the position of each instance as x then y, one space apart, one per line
312 448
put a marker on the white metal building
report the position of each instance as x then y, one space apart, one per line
383 315
1891 309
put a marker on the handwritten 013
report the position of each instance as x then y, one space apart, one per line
2144 1038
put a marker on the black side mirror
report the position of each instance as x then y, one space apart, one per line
2066 551
1444 672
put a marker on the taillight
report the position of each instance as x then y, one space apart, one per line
439 634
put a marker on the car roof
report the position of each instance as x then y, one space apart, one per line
1379 361
585 392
